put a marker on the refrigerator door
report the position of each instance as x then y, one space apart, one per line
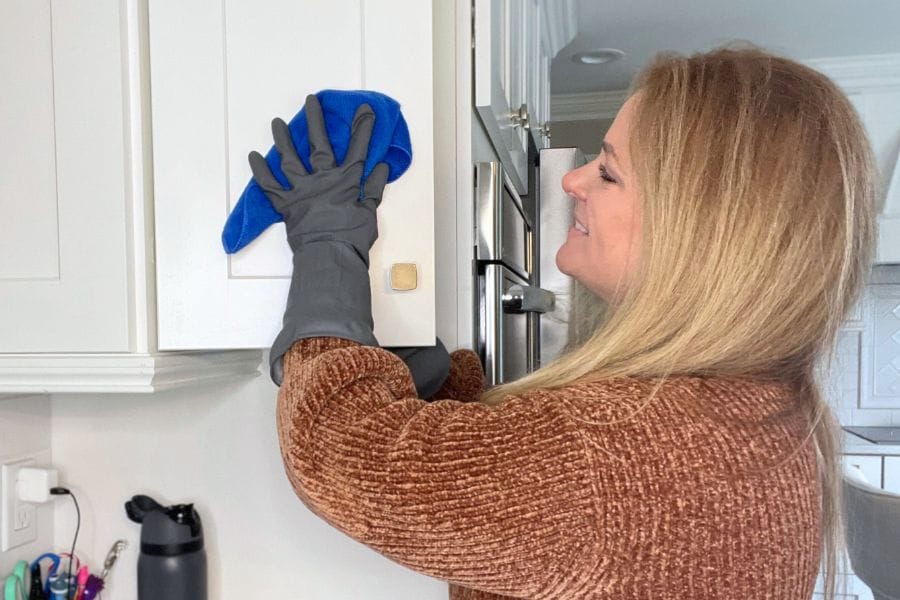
556 213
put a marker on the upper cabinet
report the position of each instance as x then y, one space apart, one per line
112 272
515 40
64 255
873 85
219 72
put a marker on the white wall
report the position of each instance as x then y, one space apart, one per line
216 446
25 431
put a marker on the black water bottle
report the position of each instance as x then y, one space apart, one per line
172 563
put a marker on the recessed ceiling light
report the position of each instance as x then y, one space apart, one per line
598 56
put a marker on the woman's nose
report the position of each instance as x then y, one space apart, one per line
571 184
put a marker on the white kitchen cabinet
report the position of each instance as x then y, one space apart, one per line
76 258
514 43
113 277
869 464
891 481
220 71
64 276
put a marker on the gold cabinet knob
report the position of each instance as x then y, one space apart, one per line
404 277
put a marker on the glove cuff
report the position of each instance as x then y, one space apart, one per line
330 295
429 366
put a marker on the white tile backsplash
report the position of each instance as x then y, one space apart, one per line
863 382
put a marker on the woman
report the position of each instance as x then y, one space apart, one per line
684 450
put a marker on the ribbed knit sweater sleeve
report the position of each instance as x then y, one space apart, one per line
496 498
466 379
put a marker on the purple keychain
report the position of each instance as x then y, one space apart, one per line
92 588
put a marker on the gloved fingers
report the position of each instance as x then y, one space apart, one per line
374 187
291 166
263 176
360 134
321 156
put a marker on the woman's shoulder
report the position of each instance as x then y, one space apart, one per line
738 398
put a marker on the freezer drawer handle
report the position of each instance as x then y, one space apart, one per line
527 298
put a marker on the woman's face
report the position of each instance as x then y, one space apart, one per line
608 208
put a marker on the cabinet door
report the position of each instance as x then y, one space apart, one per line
63 252
892 474
534 85
500 75
220 71
544 96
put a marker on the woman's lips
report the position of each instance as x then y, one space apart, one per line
575 232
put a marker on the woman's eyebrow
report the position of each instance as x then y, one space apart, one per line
607 147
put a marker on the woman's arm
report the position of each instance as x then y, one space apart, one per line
496 498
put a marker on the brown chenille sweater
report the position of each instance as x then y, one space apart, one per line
555 494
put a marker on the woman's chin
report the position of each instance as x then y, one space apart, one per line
562 261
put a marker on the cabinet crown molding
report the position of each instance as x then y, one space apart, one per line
866 72
853 73
586 105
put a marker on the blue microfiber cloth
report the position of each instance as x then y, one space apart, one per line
389 143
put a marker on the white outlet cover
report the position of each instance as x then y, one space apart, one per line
13 512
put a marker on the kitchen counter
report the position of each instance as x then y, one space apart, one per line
853 444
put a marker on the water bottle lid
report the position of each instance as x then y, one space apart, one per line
166 530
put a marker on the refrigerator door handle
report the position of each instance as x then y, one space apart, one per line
528 298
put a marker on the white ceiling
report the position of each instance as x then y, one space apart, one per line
798 29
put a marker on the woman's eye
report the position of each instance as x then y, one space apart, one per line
604 175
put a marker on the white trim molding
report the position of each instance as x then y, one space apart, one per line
852 73
586 105
860 73
121 373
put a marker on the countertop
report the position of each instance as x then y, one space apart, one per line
853 444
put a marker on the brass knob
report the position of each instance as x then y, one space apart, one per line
520 117
404 277
545 130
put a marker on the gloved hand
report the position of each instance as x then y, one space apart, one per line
331 226
429 365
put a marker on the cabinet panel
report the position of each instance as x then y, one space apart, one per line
244 65
29 250
500 81
64 263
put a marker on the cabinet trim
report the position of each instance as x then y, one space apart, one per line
852 73
122 373
860 73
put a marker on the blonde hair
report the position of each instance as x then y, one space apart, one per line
757 190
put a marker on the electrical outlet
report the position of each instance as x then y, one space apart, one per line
17 519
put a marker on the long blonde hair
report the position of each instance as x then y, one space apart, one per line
757 187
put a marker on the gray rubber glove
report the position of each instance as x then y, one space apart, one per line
331 226
429 365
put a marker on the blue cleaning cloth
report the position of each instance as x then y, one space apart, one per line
389 143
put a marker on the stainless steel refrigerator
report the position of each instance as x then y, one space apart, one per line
521 296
